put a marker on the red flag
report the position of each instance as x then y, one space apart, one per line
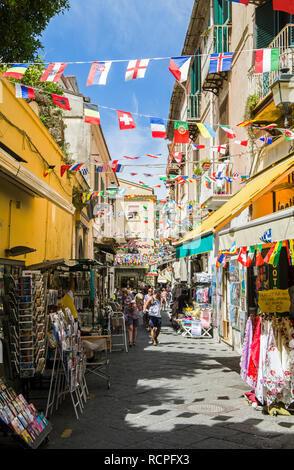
177 156
125 120
63 169
284 5
61 101
53 72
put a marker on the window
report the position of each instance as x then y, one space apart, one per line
222 12
133 213
96 182
268 24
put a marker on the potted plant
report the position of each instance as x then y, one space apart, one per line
197 171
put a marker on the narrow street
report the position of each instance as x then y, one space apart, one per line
183 394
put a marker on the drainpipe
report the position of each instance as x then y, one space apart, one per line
9 222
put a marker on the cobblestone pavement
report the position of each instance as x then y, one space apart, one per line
183 394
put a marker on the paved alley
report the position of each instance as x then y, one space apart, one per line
182 394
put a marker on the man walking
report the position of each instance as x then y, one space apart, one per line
153 305
145 310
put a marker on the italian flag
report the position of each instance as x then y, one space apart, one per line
266 60
181 132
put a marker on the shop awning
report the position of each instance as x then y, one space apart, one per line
200 245
253 189
280 224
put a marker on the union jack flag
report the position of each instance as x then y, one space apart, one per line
220 62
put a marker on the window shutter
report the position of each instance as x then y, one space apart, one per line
264 25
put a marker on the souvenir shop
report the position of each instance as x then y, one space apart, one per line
41 341
259 283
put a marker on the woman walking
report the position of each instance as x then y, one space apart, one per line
153 306
133 316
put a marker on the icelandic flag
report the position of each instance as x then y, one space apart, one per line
22 91
98 73
266 140
157 128
179 67
220 62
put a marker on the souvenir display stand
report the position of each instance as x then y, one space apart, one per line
21 420
69 365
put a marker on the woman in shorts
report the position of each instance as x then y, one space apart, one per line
133 316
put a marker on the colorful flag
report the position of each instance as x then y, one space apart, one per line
153 156
53 72
269 253
125 120
179 67
177 156
63 169
220 259
267 236
91 114
49 170
289 135
275 255
181 135
131 158
219 148
243 258
236 175
241 142
157 128
229 132
205 130
22 91
266 140
98 73
244 123
259 259
269 126
75 167
84 171
290 251
115 166
243 2
136 69
266 60
198 146
16 71
220 62
61 101
284 5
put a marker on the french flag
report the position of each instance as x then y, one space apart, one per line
22 91
157 128
179 67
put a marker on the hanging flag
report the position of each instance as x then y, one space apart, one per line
181 135
259 259
125 120
101 168
229 132
266 140
269 253
243 2
266 60
136 69
131 158
75 167
241 142
157 128
219 148
269 126
290 251
22 91
98 73
243 258
16 71
49 170
289 135
267 236
91 114
244 123
53 72
236 175
244 178
115 166
63 169
220 62
153 156
205 130
84 171
220 259
198 146
177 156
133 174
284 5
61 101
179 67
275 255
147 174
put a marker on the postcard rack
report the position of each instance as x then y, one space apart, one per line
69 364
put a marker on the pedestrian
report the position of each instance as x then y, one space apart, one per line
164 298
145 310
139 299
154 314
133 316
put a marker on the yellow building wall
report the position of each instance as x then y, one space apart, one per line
284 198
37 222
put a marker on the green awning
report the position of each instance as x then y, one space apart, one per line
195 247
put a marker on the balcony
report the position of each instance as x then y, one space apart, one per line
215 197
261 82
215 40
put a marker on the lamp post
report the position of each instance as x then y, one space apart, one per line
283 93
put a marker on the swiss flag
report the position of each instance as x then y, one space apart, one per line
125 120
61 101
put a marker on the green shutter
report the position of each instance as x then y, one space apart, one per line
264 25
222 12
196 73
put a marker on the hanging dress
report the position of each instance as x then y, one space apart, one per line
246 350
254 354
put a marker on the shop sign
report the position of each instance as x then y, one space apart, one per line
274 277
274 300
196 328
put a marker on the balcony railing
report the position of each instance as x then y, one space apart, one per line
285 42
193 106
214 40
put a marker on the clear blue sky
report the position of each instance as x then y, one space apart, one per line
94 30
